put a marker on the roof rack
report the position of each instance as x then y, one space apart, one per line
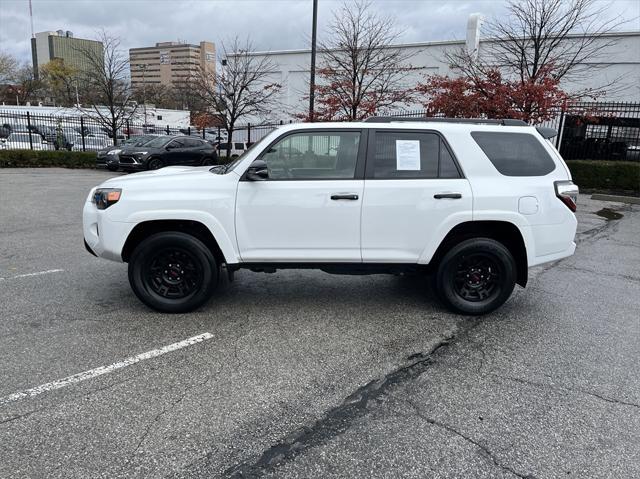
477 121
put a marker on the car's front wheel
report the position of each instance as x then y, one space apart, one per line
476 276
173 272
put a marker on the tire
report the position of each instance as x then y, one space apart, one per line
112 168
156 266
461 278
155 164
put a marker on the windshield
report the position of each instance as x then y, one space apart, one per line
139 140
158 142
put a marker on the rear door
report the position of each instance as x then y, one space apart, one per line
414 191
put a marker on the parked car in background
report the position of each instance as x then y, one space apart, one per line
109 157
91 142
20 141
56 137
237 148
167 150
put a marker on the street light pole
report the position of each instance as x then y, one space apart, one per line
312 80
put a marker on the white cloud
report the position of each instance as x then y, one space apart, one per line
271 24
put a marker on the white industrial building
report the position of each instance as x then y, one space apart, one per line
618 64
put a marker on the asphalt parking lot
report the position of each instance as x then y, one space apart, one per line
305 374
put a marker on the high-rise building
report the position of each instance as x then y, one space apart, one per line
170 63
61 44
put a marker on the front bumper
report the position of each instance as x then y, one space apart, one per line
131 163
104 237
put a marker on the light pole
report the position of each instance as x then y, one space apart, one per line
312 80
143 68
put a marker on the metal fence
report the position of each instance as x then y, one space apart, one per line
593 130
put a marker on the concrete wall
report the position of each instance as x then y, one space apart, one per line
619 64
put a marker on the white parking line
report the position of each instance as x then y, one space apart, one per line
39 273
92 373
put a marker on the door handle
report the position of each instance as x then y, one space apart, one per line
345 196
453 196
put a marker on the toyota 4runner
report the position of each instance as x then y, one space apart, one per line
472 203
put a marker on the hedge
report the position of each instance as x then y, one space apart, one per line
47 158
620 176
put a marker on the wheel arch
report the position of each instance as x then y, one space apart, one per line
197 229
504 232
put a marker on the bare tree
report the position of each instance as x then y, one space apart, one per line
22 85
541 39
243 88
8 68
106 80
360 71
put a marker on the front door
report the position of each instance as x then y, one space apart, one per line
308 210
414 193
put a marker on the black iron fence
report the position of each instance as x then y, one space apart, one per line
593 130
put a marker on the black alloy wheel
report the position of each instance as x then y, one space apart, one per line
173 272
476 276
155 164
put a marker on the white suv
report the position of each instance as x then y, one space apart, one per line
473 203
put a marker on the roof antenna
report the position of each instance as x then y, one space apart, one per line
31 18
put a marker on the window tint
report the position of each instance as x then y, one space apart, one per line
314 155
448 168
176 143
238 146
191 143
515 154
411 155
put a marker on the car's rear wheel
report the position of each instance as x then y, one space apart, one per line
476 276
173 272
155 164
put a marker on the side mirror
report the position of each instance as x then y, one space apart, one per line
257 171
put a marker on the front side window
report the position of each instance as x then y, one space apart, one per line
515 154
410 155
314 156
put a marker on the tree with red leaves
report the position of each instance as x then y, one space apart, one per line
488 95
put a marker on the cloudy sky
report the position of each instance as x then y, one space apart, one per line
271 24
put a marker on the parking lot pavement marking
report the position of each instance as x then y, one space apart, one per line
39 273
92 373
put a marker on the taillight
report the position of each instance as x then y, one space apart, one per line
567 192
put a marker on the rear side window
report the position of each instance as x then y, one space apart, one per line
515 154
411 155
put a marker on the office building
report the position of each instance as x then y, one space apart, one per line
170 63
61 44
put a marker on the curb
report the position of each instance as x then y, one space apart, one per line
634 200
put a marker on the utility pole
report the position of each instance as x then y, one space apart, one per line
143 67
312 80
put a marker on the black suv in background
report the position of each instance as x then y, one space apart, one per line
165 151
108 157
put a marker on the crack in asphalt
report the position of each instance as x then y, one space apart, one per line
485 449
340 418
567 389
151 425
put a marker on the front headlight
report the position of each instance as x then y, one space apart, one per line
105 197
113 152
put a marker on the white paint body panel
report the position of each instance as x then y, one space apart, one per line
400 216
393 221
297 221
